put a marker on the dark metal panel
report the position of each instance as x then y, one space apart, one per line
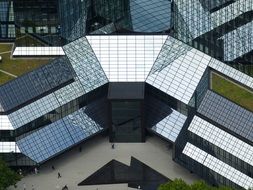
126 90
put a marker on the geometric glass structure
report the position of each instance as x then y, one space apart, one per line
150 64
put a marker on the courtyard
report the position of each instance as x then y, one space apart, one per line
75 166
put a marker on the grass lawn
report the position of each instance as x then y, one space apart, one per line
17 66
232 91
4 78
5 47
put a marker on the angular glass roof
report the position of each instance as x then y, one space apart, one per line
170 126
222 139
127 58
179 77
232 73
227 114
218 166
5 123
62 134
35 83
9 147
46 104
162 119
85 64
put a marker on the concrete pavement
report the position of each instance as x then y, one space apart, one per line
75 166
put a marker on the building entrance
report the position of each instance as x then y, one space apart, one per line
126 102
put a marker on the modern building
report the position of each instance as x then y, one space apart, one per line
128 69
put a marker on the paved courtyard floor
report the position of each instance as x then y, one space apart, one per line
75 166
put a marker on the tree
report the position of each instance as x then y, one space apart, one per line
179 184
7 176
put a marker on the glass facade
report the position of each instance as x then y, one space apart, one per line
126 121
37 23
227 114
178 74
126 58
49 110
221 29
162 119
64 133
85 64
7 25
228 175
36 83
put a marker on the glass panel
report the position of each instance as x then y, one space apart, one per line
126 58
227 114
126 121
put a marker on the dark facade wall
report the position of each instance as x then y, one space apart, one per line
210 42
201 89
80 17
72 14
37 23
7 27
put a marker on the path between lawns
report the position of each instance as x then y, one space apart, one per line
5 72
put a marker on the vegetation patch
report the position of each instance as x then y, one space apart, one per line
179 184
232 91
16 66
7 176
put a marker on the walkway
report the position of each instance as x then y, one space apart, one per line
75 166
7 73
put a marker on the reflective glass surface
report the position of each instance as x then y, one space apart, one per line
46 104
5 123
170 126
35 83
171 50
227 114
197 20
34 110
231 11
126 58
231 72
9 147
238 42
40 19
4 5
218 166
150 16
162 119
46 142
193 20
215 4
85 64
73 15
64 133
222 139
180 77
7 27
126 121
